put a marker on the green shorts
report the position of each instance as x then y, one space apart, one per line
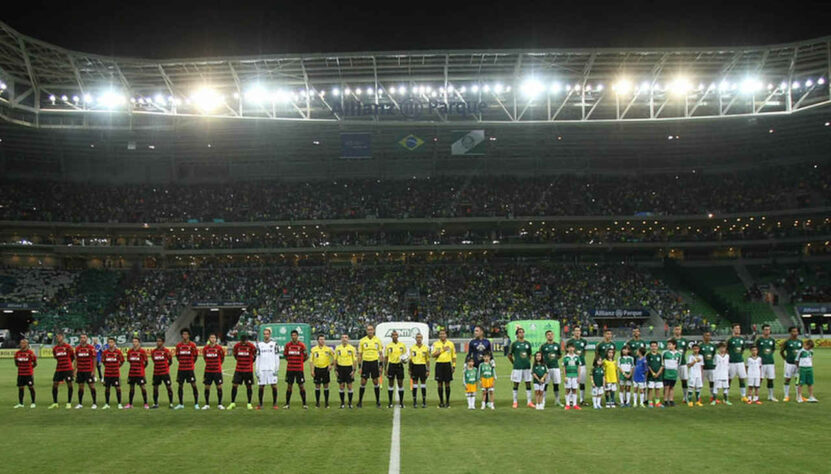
806 376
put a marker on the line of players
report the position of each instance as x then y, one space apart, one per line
78 364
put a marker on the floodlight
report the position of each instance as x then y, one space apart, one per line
531 88
206 99
497 88
110 99
257 94
750 86
622 86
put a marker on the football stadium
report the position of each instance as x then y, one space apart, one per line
391 261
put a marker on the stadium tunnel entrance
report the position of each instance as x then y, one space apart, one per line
14 323
218 319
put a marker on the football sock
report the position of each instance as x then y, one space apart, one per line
447 393
250 392
415 393
260 394
401 396
697 396
234 394
341 395
169 395
377 394
54 394
515 395
195 395
20 394
389 394
326 395
181 394
441 396
424 392
273 396
288 397
207 396
107 396
219 395
528 395
350 396
69 393
582 390
303 396
361 394
317 395
131 394
155 395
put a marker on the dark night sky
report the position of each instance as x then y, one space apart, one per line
211 28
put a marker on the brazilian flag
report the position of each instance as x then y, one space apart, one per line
411 142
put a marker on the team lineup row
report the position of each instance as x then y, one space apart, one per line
640 373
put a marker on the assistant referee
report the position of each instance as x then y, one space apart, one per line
322 359
444 352
370 359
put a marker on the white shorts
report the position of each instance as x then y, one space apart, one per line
737 368
572 383
597 391
683 372
266 377
539 387
611 387
639 385
791 370
708 375
521 375
581 376
695 383
754 382
723 384
769 371
625 382
654 384
554 376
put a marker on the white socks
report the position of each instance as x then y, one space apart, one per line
515 394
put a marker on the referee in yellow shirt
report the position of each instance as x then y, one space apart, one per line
419 370
346 361
444 352
370 360
395 369
322 358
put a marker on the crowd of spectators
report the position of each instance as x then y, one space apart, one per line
657 194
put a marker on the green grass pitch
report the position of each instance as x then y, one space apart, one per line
741 438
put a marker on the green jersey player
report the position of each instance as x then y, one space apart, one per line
520 356
788 352
708 351
735 349
654 377
636 342
672 363
580 349
551 354
681 345
767 348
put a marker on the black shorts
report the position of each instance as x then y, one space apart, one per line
136 380
370 370
243 377
444 372
395 371
183 376
344 373
321 375
84 377
112 382
161 379
25 380
669 383
62 376
418 372
212 378
297 376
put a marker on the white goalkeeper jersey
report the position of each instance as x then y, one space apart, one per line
268 356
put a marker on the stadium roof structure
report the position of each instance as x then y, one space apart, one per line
44 85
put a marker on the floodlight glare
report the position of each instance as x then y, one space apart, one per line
335 92
206 99
256 95
821 81
531 88
474 88
622 86
497 88
750 86
110 99
555 88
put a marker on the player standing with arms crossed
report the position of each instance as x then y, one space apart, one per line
370 360
214 356
296 355
420 369
580 349
161 371
444 352
767 348
85 361
551 355
346 361
245 354
25 360
186 355
138 361
268 366
113 359
64 355
788 352
321 361
520 357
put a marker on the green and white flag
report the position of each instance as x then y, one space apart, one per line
468 142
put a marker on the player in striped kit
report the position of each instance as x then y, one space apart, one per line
295 354
245 353
64 355
161 371
214 355
268 365
86 359
137 358
26 361
186 354
113 359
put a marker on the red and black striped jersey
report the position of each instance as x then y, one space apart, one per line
64 354
214 356
85 357
112 360
25 362
161 361
295 354
186 354
245 353
138 361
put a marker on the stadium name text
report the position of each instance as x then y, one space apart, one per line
408 108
